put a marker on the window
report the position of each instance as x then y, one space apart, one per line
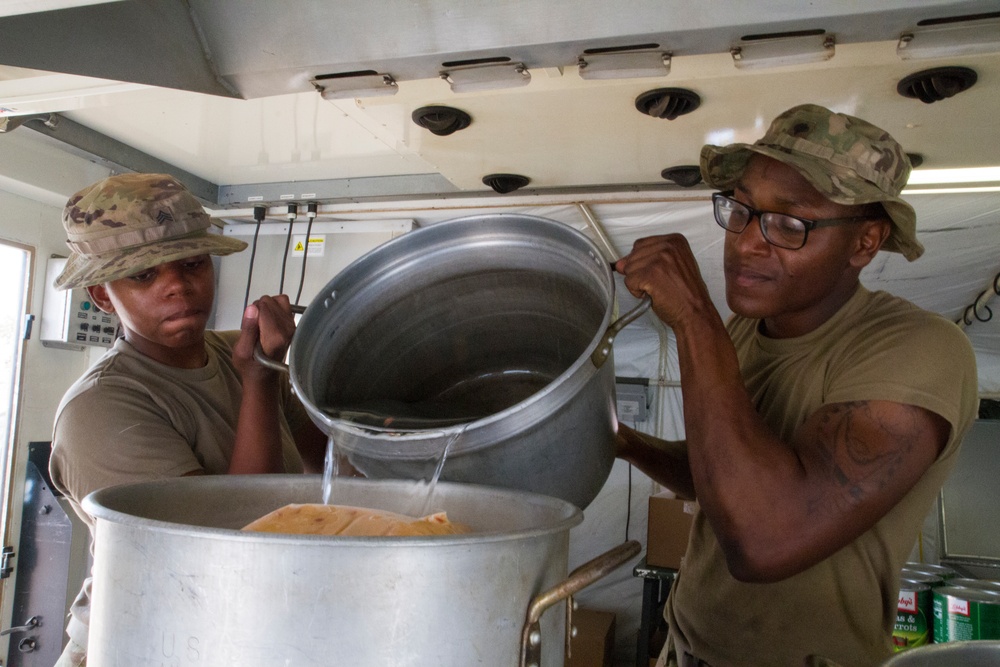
15 276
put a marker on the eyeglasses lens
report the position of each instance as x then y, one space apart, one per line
731 215
783 231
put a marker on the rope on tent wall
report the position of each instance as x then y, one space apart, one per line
978 310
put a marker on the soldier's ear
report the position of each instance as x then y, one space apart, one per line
871 237
99 295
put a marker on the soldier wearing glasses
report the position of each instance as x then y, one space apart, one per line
820 420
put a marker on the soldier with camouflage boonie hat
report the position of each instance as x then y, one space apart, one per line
820 418
847 159
128 223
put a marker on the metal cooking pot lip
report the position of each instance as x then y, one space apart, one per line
556 385
944 654
93 505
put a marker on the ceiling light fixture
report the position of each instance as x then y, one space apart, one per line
962 175
473 78
953 181
962 38
759 52
624 65
347 86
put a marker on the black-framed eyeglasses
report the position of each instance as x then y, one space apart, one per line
778 229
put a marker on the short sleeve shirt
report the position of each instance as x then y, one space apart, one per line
877 347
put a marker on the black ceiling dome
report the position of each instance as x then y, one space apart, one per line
441 120
668 103
934 85
685 175
504 183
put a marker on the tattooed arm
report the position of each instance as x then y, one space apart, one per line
776 507
847 466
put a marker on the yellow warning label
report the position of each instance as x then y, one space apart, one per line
317 245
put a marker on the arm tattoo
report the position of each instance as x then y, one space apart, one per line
859 451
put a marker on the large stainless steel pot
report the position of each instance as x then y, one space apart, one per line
176 583
502 322
979 653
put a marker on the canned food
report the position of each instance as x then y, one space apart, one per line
931 580
981 584
962 614
914 616
942 571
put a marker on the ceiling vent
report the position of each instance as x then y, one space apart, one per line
686 176
934 85
441 120
504 183
668 103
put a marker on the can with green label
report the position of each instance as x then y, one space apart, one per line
962 614
942 571
931 580
981 584
914 616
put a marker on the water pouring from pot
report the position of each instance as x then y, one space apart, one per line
491 332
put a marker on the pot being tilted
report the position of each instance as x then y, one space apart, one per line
489 332
176 583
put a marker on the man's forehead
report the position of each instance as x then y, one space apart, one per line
782 184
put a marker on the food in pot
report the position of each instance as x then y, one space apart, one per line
317 519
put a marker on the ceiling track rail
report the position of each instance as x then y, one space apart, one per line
118 156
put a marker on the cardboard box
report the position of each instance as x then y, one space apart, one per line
669 527
594 643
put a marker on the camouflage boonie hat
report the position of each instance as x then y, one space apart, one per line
847 159
132 222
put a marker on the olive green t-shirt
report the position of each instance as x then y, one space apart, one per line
132 419
877 347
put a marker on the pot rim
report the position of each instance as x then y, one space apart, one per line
94 505
560 385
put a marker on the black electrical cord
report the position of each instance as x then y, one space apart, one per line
311 214
258 214
293 210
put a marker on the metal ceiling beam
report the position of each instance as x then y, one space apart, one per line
112 153
411 188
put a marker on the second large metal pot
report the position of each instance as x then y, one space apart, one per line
177 583
488 320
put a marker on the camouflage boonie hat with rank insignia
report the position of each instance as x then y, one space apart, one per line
132 222
847 159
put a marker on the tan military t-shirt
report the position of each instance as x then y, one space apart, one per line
132 419
877 347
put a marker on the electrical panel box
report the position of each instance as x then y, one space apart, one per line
70 320
632 397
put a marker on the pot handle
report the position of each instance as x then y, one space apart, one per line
578 579
263 359
600 355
